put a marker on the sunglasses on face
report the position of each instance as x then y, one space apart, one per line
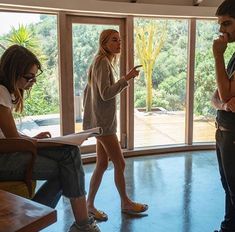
30 76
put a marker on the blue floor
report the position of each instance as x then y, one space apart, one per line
183 191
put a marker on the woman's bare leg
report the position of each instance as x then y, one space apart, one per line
113 150
101 166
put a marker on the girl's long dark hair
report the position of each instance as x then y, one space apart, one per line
14 63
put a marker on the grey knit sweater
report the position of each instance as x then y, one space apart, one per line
99 100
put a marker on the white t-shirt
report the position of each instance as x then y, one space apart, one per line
5 100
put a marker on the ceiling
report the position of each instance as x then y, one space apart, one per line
210 3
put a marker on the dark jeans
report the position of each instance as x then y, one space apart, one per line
61 166
225 148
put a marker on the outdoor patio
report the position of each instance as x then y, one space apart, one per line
164 128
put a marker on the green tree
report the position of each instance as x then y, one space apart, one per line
41 99
24 37
150 38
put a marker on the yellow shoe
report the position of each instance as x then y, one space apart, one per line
98 215
136 209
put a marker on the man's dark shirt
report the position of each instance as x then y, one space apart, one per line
226 118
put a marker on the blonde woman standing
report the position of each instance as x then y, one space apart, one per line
100 110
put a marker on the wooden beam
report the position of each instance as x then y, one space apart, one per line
190 83
197 2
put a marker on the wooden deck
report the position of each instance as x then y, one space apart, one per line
169 128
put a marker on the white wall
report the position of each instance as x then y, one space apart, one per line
114 7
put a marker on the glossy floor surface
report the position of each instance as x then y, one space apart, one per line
183 191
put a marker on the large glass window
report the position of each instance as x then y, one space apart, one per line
160 90
205 81
37 32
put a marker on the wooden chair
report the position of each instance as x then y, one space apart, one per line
26 187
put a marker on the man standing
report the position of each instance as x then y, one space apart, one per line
224 101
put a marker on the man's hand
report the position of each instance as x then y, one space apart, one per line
230 105
220 45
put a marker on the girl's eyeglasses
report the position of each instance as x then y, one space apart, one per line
30 76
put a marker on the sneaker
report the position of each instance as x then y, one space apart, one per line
90 226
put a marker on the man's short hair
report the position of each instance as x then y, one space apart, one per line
227 7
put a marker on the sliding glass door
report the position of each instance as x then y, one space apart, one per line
84 37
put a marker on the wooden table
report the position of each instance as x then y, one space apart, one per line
23 215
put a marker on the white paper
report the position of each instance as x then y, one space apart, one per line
73 139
